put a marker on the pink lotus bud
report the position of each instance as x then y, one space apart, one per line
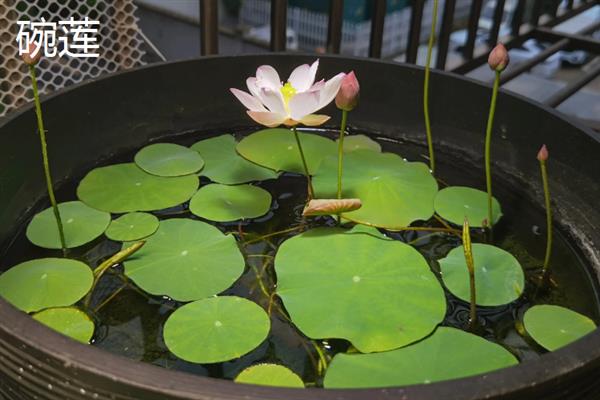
33 54
347 97
543 154
498 59
330 206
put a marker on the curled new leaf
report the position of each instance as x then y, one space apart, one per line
330 206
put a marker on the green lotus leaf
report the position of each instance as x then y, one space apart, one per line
277 149
394 192
168 159
383 292
224 203
447 354
81 225
360 142
186 260
368 230
69 321
123 188
270 375
216 329
46 282
454 203
132 226
553 327
499 278
225 165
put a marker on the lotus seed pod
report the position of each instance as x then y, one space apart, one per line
347 96
498 59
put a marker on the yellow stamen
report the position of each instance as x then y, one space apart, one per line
288 91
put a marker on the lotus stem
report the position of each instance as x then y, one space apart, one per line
468 250
488 146
311 191
268 235
341 157
42 131
426 87
549 227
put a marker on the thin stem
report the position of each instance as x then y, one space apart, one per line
468 250
263 237
42 131
426 87
322 358
109 298
488 146
549 227
341 157
311 191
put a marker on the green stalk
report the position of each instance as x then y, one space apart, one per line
468 250
426 87
341 157
488 146
311 191
40 122
549 227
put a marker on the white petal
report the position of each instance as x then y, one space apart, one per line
303 104
303 77
251 103
266 118
317 86
330 90
253 86
273 100
267 76
314 119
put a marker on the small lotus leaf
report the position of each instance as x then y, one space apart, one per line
447 354
216 329
360 142
553 327
168 159
123 188
186 260
454 203
394 193
277 149
132 226
499 278
225 165
383 292
81 224
69 321
270 375
224 203
46 282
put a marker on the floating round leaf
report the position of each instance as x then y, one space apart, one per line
125 188
81 224
168 159
553 327
454 203
447 354
394 193
499 278
360 142
223 203
270 375
216 329
46 282
277 149
225 165
132 226
186 260
69 321
382 293
368 230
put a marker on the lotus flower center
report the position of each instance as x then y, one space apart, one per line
288 91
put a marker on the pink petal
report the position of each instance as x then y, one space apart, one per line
303 77
314 120
317 86
273 100
303 104
251 103
267 76
266 118
330 90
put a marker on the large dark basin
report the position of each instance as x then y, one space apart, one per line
93 121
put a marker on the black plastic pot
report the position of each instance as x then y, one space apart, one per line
95 120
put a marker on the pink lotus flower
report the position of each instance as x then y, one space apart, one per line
272 103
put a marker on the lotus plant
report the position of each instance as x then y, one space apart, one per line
272 103
426 87
542 157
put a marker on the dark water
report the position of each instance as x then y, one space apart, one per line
129 322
